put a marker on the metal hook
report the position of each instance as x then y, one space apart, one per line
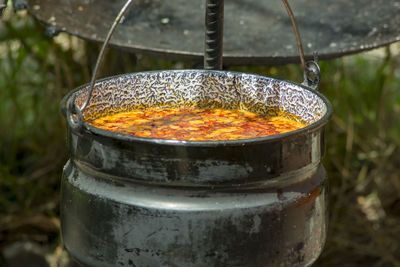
311 71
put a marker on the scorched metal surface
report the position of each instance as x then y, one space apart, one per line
255 31
131 201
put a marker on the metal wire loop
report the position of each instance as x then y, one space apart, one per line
75 117
311 71
312 75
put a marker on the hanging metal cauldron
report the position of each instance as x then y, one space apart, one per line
131 201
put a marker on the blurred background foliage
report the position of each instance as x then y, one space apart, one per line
362 157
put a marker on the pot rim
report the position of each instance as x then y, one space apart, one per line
89 129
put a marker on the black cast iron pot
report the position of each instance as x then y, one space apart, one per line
131 201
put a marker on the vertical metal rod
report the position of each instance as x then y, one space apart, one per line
214 34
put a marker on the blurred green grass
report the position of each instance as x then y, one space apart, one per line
362 157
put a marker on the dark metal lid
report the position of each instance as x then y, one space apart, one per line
256 32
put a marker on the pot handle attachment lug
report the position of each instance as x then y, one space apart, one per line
74 116
311 71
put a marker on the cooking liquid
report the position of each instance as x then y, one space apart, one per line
196 124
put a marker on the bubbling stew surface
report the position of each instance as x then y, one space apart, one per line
196 124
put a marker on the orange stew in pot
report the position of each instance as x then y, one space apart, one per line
196 124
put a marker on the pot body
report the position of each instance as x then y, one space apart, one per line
147 202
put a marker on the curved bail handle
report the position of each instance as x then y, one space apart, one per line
74 113
311 71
